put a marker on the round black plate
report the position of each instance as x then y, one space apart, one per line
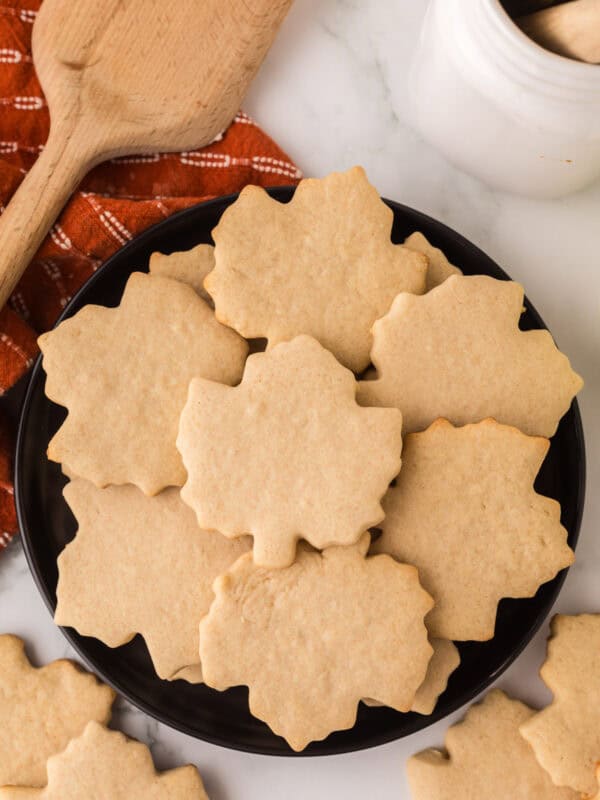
223 718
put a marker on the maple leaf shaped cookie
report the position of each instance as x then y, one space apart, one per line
565 736
188 266
322 264
123 374
41 710
457 352
288 454
314 638
439 268
444 660
486 758
107 765
473 541
140 564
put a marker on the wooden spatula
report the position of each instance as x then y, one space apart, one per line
129 76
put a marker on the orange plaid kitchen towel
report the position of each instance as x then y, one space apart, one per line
116 201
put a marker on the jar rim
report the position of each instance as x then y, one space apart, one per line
527 55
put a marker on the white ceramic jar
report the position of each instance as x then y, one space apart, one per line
501 107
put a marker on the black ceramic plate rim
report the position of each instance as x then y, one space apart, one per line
420 723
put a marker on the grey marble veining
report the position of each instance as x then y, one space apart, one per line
334 91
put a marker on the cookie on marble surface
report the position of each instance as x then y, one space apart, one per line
565 736
288 454
465 513
444 660
41 709
106 764
123 374
439 268
485 757
187 266
141 564
457 352
312 639
322 264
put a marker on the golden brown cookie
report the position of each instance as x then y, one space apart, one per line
444 661
187 266
107 765
123 373
485 758
565 736
141 564
322 264
314 638
288 454
41 710
465 513
457 352
439 268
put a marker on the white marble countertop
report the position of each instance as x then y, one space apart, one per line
333 93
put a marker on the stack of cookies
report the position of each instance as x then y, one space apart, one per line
236 511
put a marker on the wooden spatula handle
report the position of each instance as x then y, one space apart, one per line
35 206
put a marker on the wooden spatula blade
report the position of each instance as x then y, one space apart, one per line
124 77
